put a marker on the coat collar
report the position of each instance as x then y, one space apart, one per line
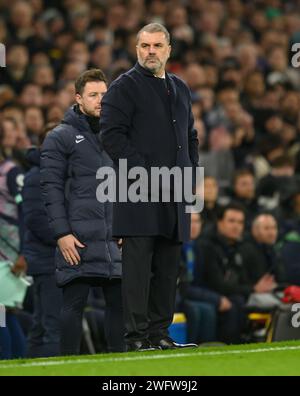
169 80
148 73
142 70
79 122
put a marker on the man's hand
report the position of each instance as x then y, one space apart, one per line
67 245
120 243
225 304
265 284
20 266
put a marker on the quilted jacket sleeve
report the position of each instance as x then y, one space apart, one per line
55 154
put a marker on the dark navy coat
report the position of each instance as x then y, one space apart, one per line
39 243
150 125
70 157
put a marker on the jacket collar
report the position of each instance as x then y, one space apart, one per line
33 156
169 81
76 119
144 71
80 123
226 243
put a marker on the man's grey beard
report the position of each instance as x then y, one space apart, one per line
153 69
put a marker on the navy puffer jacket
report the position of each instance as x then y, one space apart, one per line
70 156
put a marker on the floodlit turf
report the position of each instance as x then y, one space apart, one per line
254 359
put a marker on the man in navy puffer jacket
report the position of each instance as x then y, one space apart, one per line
39 251
86 254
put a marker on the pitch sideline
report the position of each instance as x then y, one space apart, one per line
146 356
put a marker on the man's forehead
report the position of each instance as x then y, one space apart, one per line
234 213
152 38
95 86
266 220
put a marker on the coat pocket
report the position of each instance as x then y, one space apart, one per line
62 264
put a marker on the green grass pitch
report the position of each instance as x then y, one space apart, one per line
253 359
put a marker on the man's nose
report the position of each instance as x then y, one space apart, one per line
152 50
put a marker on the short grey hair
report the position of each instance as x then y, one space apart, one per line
154 28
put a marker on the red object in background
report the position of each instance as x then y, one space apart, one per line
175 67
291 294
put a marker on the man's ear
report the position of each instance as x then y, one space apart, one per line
78 99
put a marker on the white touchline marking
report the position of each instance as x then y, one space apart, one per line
147 356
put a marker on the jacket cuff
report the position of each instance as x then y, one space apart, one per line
57 237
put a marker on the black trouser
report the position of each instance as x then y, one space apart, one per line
150 270
44 336
75 295
232 322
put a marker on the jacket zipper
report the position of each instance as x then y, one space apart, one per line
107 247
108 252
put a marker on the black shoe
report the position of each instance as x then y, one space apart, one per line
141 346
168 343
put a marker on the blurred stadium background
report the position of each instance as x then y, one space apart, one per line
236 57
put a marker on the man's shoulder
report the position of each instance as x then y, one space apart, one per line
32 173
62 130
7 165
178 81
124 79
63 135
123 90
206 245
249 245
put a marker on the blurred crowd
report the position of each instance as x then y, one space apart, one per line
236 57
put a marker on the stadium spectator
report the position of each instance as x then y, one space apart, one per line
226 271
263 258
200 304
34 123
209 212
244 193
31 95
280 181
39 250
16 72
12 339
